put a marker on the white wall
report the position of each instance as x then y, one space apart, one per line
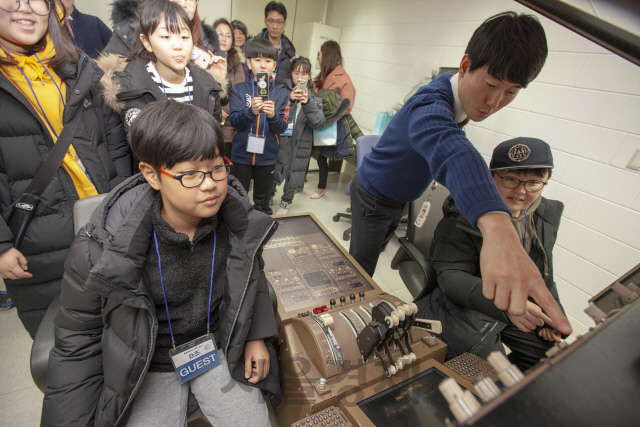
585 104
207 9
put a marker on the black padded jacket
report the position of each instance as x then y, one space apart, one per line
25 143
469 320
105 332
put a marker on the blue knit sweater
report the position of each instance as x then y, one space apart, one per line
423 143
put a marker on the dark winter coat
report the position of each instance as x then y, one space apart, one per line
25 143
107 325
128 88
348 130
295 150
125 30
287 55
469 320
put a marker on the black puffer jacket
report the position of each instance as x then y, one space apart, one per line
123 15
469 320
295 150
128 88
107 326
25 143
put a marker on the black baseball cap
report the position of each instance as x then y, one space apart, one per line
521 153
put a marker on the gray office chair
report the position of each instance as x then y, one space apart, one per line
412 259
364 144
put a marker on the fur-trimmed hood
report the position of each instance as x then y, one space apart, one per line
122 10
111 65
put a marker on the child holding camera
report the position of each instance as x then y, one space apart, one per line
159 66
296 144
259 113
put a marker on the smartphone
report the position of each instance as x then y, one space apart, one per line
263 85
200 58
302 87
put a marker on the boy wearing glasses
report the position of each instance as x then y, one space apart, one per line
472 323
164 293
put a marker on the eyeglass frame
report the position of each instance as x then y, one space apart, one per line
520 182
28 2
179 177
276 21
226 35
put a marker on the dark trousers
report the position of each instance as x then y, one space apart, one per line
323 167
373 222
262 179
526 348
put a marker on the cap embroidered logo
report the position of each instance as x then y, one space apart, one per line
519 153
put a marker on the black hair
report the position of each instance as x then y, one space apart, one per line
260 48
513 46
278 7
168 132
152 13
300 62
540 172
239 25
65 49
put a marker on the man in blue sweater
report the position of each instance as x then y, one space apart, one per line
424 141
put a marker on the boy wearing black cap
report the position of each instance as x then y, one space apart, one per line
472 323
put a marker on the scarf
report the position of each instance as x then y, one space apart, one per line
519 224
46 89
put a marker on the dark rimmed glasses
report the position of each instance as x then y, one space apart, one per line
191 179
532 186
39 7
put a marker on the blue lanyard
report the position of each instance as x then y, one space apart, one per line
36 96
162 82
155 239
253 95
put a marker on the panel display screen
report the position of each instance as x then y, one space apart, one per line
305 267
414 402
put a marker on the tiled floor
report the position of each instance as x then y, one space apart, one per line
21 401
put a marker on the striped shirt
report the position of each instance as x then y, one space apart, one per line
181 92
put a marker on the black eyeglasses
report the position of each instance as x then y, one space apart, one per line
39 7
193 179
531 186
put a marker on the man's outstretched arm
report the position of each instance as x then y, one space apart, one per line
509 276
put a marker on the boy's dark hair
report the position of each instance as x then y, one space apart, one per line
278 7
168 132
260 48
527 171
513 46
152 13
300 62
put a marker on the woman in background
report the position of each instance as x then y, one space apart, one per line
235 73
240 33
332 77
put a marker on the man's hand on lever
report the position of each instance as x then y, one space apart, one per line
509 276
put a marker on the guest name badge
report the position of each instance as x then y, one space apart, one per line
256 144
195 357
289 130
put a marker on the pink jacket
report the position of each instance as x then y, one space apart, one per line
340 82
